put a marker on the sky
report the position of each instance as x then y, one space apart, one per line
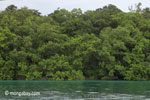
48 6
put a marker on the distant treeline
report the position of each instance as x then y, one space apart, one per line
104 44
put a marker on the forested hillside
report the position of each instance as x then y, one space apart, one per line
104 44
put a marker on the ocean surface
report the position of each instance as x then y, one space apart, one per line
74 90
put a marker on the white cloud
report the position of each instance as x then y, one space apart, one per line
48 6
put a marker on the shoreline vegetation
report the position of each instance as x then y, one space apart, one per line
103 44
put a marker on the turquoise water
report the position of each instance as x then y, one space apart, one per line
74 90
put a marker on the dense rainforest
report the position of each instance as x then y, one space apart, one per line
101 44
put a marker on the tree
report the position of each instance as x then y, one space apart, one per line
11 8
103 44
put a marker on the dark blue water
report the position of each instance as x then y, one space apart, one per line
74 90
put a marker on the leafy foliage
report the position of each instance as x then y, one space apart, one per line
104 44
